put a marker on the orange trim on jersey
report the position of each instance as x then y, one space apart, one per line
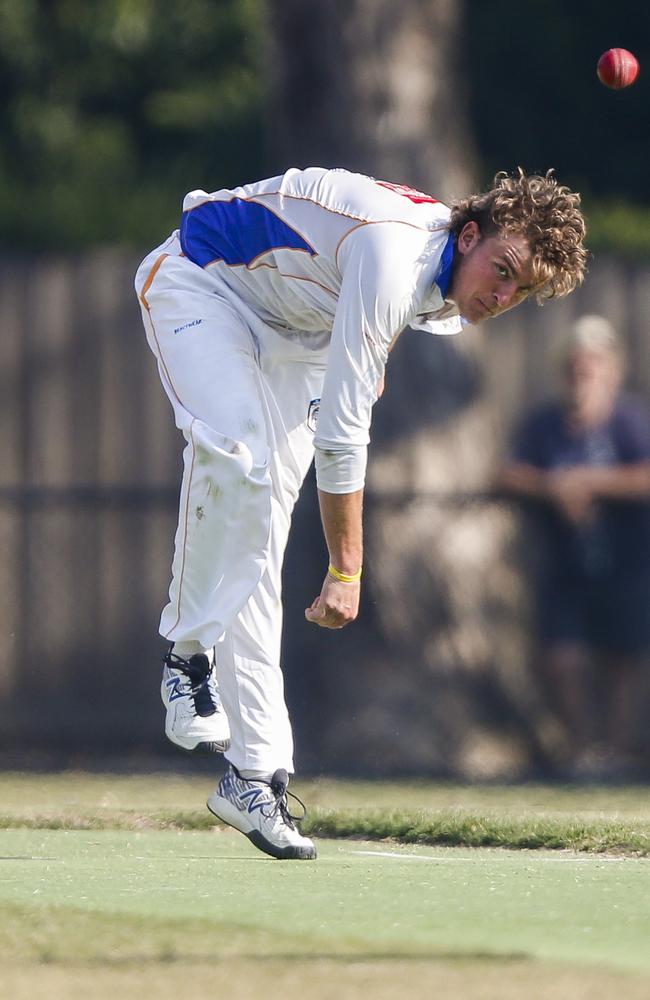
312 281
274 267
254 200
258 199
382 222
161 361
271 194
313 201
338 245
252 265
334 211
150 277
159 357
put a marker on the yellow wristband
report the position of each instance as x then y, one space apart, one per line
343 577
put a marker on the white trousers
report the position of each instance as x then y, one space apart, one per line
241 394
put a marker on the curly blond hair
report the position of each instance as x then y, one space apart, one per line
546 214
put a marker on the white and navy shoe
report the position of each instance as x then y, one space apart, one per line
195 717
259 810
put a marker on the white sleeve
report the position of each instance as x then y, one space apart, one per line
384 270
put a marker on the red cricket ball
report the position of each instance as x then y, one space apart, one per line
617 68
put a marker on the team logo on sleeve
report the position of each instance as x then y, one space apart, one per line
312 414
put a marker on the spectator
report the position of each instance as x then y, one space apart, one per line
586 458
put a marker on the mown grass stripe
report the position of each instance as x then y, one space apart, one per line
476 830
451 828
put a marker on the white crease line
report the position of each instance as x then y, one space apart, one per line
430 857
399 856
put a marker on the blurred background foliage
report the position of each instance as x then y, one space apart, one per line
112 110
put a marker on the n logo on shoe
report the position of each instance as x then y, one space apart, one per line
253 799
174 687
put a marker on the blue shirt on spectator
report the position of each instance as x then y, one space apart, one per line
616 541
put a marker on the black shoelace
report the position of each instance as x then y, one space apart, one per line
198 674
279 783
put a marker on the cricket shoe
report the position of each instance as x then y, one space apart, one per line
259 810
195 717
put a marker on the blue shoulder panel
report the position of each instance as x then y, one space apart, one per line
236 232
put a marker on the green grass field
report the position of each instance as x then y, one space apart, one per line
123 887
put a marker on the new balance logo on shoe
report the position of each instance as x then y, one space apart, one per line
195 719
259 809
174 685
254 798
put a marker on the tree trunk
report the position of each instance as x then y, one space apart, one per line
372 86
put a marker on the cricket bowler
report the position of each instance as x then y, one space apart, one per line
271 313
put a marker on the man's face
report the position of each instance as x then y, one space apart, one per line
493 273
593 371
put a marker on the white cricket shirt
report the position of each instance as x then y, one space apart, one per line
328 255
